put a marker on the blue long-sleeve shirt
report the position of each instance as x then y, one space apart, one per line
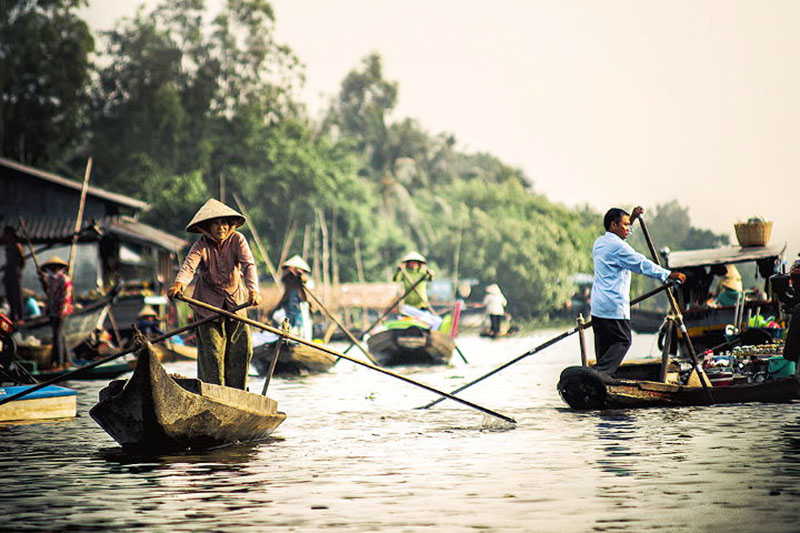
614 260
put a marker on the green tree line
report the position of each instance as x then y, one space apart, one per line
174 105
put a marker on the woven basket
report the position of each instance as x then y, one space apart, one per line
753 233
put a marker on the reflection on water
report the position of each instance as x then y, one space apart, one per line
354 455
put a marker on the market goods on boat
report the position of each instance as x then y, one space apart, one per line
293 359
48 403
156 412
411 345
748 374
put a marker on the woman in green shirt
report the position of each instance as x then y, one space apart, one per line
414 266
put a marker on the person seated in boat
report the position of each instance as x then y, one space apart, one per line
413 267
495 304
31 308
614 260
729 290
54 275
294 304
226 276
97 344
148 323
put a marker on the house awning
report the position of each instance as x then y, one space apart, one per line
723 256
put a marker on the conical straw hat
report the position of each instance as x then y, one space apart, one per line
213 209
297 262
413 256
493 289
54 262
147 311
732 279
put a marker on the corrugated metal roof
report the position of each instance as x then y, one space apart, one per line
129 229
723 255
73 184
51 230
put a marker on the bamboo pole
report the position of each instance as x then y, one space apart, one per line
79 218
327 350
582 339
254 232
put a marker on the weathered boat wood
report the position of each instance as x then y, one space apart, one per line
411 346
154 411
294 359
48 403
584 388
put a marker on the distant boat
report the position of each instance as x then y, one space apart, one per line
156 412
412 345
106 371
294 359
48 403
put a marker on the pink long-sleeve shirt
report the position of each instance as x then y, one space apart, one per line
225 272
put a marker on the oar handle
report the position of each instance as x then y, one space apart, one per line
99 362
322 348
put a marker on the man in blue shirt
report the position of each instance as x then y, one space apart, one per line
614 260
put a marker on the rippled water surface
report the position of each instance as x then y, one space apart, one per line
354 455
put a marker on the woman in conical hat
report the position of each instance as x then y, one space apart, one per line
58 302
495 304
294 302
414 266
226 276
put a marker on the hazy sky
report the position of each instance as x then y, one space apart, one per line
610 102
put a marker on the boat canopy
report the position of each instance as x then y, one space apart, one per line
723 256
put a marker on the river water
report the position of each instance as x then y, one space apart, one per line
353 455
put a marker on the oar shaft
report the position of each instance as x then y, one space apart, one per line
385 313
678 316
541 347
325 349
99 362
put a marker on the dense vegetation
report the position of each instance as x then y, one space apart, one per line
176 106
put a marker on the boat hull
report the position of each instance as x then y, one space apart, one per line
294 359
411 346
584 388
156 412
48 403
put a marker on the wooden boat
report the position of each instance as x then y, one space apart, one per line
412 345
294 359
168 352
586 388
157 412
79 325
48 403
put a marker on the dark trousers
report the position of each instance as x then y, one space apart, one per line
612 339
13 286
495 321
59 353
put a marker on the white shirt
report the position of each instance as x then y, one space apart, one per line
614 260
495 304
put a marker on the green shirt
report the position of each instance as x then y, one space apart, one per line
419 296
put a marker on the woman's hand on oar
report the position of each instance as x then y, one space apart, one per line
299 340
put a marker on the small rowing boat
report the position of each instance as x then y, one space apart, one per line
412 345
585 388
47 403
157 412
294 359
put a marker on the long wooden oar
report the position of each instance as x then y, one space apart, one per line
327 350
541 347
385 313
341 326
405 276
676 311
24 227
111 357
